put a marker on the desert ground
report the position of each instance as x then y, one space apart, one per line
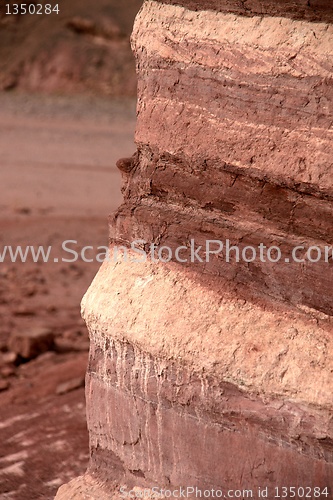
58 182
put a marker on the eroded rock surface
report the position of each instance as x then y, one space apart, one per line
218 374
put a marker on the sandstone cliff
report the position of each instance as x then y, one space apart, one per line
218 374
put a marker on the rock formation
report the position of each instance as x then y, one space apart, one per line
217 373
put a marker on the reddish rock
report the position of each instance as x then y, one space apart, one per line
7 371
216 373
31 343
8 358
80 49
4 385
71 385
24 311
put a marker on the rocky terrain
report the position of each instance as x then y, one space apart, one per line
58 182
210 374
83 48
216 373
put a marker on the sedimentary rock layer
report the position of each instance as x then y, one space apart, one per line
255 93
217 373
311 10
234 142
193 386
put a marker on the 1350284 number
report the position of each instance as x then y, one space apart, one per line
31 8
300 492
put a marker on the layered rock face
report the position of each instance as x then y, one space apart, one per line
212 371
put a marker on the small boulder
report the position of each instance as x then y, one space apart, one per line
8 358
7 371
31 343
71 385
4 385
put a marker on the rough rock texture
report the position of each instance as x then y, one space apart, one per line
218 374
31 343
55 154
312 10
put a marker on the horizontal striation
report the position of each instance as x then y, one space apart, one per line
179 372
217 370
221 190
312 10
259 89
171 423
234 139
169 313
300 284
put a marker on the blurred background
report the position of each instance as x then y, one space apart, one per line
67 113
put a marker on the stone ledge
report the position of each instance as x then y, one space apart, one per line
163 310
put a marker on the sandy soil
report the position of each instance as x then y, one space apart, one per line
58 182
83 48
